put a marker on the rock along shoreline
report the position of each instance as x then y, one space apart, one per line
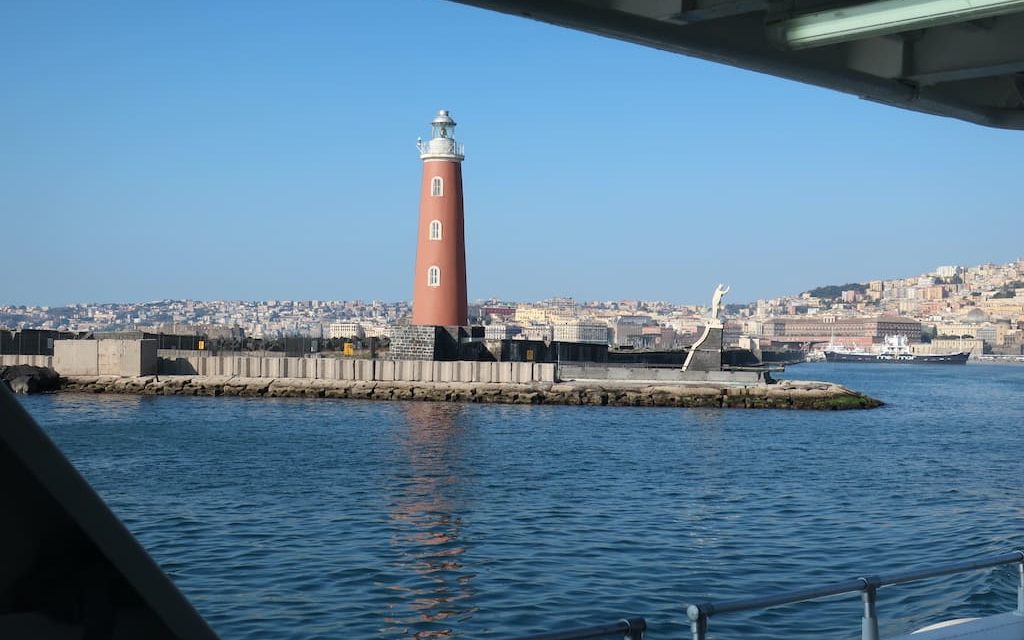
784 394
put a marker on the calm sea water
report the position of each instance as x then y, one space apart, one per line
327 519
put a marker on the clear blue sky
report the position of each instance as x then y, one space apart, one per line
254 150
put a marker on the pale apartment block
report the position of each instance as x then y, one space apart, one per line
975 346
526 314
578 331
1012 308
346 330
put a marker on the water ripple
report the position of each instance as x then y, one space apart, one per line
324 519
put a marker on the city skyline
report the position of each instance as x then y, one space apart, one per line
942 271
196 152
963 308
733 301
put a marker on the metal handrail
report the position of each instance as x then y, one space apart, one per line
630 628
866 585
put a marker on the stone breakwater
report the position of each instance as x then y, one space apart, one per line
785 394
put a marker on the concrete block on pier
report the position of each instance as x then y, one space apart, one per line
105 357
328 369
292 368
214 366
308 368
407 370
544 372
364 370
301 368
75 357
273 367
384 370
522 372
11 360
466 371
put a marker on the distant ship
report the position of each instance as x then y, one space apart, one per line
894 351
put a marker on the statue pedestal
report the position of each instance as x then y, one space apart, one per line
706 353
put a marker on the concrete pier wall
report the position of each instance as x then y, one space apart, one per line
10 360
79 357
355 370
586 371
499 382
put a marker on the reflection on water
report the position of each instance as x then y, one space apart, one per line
426 504
99 404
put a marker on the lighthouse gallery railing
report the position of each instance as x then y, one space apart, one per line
441 146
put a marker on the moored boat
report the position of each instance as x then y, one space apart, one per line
895 350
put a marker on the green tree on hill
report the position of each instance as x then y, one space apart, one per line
833 291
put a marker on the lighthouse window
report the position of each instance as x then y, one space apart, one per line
437 186
434 277
435 230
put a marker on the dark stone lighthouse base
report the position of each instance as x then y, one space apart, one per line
429 342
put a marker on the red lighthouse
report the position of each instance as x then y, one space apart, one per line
439 285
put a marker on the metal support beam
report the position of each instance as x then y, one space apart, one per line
656 9
964 52
700 10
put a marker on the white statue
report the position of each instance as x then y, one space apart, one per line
716 300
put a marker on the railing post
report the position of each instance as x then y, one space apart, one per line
1020 588
698 622
869 624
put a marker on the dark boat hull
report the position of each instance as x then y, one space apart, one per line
903 358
